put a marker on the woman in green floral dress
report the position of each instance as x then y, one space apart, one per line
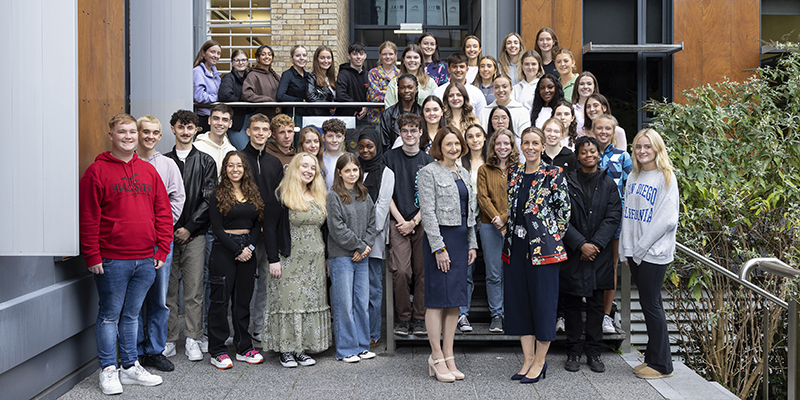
297 315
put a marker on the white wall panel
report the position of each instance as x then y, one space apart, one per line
39 200
161 61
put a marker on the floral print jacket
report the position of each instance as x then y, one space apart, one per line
547 212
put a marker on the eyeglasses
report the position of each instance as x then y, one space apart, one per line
499 118
240 60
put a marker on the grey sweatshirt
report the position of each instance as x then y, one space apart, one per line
649 218
351 227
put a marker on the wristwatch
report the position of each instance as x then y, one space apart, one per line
252 248
416 223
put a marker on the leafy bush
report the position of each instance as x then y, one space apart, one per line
736 150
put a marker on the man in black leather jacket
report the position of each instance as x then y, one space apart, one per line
199 173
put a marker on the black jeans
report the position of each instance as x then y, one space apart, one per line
230 279
649 279
573 324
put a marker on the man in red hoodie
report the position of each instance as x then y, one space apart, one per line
124 214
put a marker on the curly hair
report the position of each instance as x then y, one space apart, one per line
492 158
226 195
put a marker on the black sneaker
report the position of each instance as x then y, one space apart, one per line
596 364
497 324
401 328
573 364
158 360
419 327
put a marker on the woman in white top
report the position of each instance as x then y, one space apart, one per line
586 86
548 93
472 49
647 240
597 105
503 94
528 78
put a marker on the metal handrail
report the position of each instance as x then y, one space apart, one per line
728 273
773 266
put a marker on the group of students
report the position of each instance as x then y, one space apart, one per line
257 224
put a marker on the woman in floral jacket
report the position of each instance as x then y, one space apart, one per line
538 217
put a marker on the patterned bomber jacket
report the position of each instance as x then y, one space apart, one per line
547 212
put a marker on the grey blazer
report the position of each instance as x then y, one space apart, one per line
439 203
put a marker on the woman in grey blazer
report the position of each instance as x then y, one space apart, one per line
449 246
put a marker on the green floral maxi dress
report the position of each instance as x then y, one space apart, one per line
297 315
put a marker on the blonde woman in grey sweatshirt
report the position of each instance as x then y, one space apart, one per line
647 240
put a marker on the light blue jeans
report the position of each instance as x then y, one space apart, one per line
350 301
492 242
239 139
375 297
155 314
121 289
470 285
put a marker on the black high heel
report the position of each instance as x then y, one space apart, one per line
542 375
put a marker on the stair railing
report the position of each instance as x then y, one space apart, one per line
771 265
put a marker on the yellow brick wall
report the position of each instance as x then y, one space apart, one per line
309 23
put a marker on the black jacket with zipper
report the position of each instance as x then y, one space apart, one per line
199 174
268 173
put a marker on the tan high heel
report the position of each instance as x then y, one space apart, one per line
432 371
456 373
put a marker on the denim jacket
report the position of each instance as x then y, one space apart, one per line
547 212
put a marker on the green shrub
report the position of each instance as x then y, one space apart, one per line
736 151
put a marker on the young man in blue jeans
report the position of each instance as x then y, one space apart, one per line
124 215
152 334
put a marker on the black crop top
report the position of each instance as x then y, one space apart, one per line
241 216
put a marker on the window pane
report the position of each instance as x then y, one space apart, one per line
609 21
655 21
426 12
616 76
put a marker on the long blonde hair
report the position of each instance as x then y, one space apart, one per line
663 162
290 190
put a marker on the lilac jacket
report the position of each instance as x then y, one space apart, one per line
206 87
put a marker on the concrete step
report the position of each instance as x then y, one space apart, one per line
684 384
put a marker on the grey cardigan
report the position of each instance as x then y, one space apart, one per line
440 205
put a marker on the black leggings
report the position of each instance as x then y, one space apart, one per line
649 278
230 279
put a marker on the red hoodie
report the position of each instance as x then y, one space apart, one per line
124 211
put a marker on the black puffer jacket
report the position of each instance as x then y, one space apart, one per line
199 174
593 223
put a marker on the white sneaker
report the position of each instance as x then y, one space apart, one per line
203 342
608 325
222 361
303 359
109 380
137 375
193 350
251 357
366 355
560 324
352 358
169 349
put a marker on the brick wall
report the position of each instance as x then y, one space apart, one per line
309 23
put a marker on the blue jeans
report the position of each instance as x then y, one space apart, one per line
350 301
375 297
492 242
121 289
155 314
